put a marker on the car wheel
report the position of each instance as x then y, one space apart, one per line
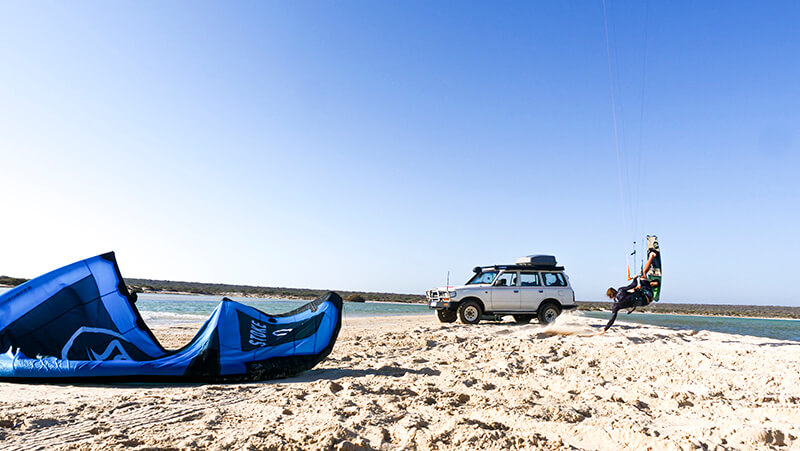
470 312
548 313
446 316
523 319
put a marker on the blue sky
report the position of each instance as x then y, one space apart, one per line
379 145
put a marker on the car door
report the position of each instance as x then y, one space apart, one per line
531 291
505 292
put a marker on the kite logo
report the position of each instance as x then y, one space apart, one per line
258 333
113 348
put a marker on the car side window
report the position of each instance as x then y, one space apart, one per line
554 279
507 279
529 279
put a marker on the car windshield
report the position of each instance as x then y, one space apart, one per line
484 277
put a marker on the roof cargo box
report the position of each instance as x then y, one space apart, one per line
538 260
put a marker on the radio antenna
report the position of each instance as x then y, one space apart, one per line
448 281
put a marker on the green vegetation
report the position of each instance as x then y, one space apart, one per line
11 281
756 311
355 298
220 289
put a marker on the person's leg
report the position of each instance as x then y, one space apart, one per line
646 267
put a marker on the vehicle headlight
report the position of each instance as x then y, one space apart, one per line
453 294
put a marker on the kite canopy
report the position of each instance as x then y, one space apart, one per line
81 321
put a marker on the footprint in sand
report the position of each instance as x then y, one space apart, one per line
97 430
42 423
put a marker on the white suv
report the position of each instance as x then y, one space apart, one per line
534 286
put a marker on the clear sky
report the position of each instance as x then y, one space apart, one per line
379 145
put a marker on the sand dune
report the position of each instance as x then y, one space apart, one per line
413 383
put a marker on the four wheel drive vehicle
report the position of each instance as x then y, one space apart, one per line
533 287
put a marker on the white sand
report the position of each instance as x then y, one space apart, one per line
412 383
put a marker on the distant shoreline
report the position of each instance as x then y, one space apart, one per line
239 295
226 294
171 287
290 297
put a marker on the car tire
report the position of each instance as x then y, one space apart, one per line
523 319
470 312
548 312
446 316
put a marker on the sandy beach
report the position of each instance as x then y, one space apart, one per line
413 383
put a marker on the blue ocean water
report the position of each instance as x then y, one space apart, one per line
160 308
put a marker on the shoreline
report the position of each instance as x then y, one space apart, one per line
254 296
302 298
286 299
425 304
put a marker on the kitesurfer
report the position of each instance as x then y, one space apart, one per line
632 296
624 297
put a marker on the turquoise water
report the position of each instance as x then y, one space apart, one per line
158 308
782 329
178 308
172 309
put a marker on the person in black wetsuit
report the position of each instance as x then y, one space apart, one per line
632 296
646 288
624 297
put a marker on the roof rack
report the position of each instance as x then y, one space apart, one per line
525 267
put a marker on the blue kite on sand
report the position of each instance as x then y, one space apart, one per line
81 322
